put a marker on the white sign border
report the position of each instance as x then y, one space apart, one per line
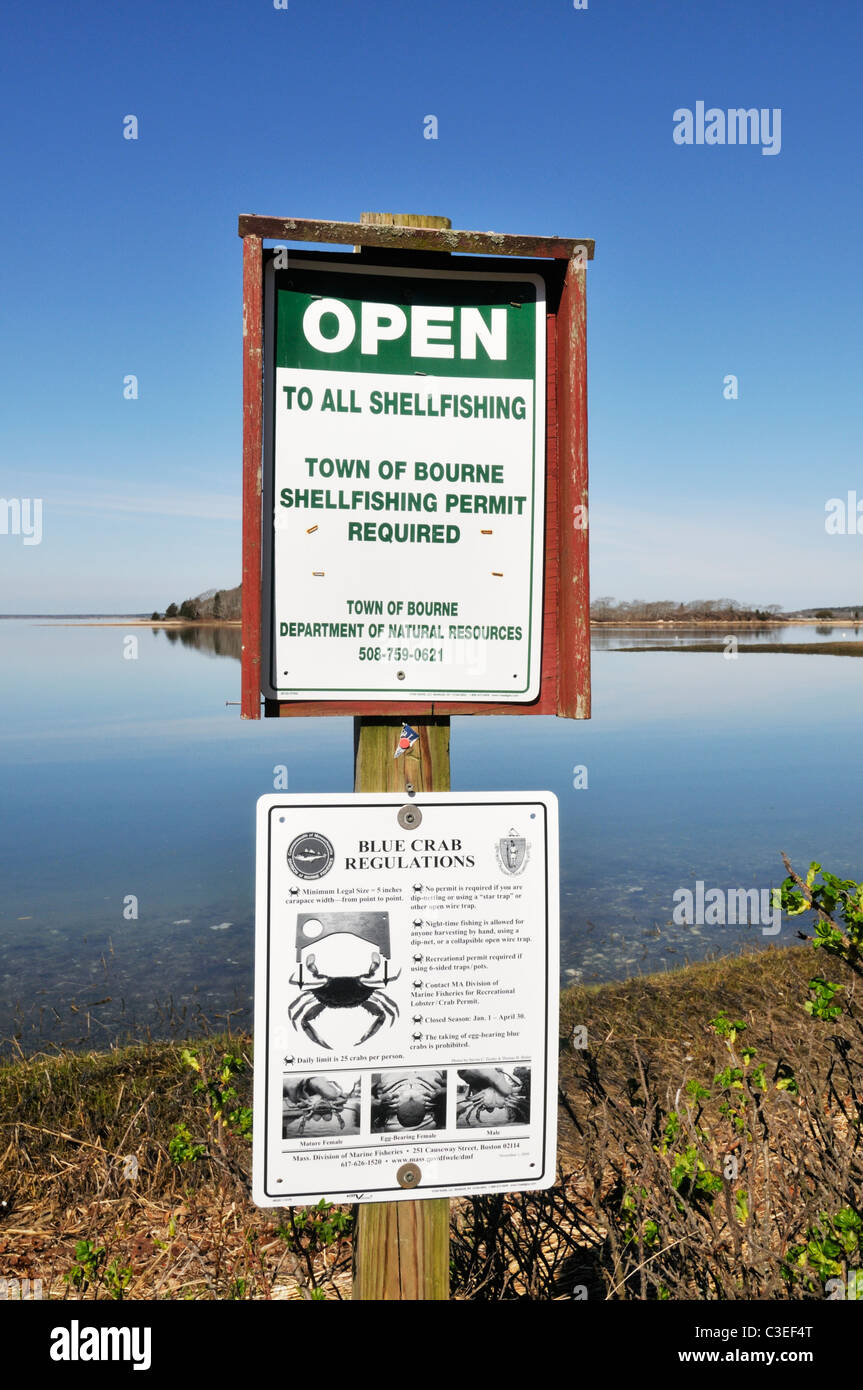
535 637
265 807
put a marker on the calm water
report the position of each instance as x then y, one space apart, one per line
135 777
620 639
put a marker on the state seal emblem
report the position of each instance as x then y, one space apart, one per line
513 852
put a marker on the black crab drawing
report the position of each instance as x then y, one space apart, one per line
321 990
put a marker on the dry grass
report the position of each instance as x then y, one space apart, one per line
69 1127
643 1213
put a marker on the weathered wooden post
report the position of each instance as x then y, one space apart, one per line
401 1249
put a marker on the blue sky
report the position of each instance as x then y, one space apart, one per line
122 257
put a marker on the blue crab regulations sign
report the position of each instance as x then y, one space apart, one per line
404 482
406 976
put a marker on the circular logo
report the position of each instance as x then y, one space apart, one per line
310 856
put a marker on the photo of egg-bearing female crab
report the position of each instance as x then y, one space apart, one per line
408 1099
342 977
490 1096
321 1105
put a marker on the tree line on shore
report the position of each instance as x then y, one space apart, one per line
216 605
607 610
221 605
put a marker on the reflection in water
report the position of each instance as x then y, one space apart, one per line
215 640
209 639
705 636
616 638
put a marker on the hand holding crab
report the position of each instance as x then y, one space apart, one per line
318 1098
409 1100
493 1097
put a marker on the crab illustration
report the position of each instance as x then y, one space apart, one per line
490 1092
342 992
318 1098
409 1100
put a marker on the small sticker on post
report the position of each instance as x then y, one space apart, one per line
407 738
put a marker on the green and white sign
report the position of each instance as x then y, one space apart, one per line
405 472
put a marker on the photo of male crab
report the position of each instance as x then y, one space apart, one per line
490 1096
321 1105
342 979
408 1100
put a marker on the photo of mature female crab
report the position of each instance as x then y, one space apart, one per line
408 1100
322 1103
342 992
492 1096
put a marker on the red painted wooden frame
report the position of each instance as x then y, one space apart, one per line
565 670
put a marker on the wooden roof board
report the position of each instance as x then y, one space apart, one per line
396 238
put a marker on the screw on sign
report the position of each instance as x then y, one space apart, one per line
408 1175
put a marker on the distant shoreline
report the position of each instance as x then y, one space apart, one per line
731 622
117 620
134 622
